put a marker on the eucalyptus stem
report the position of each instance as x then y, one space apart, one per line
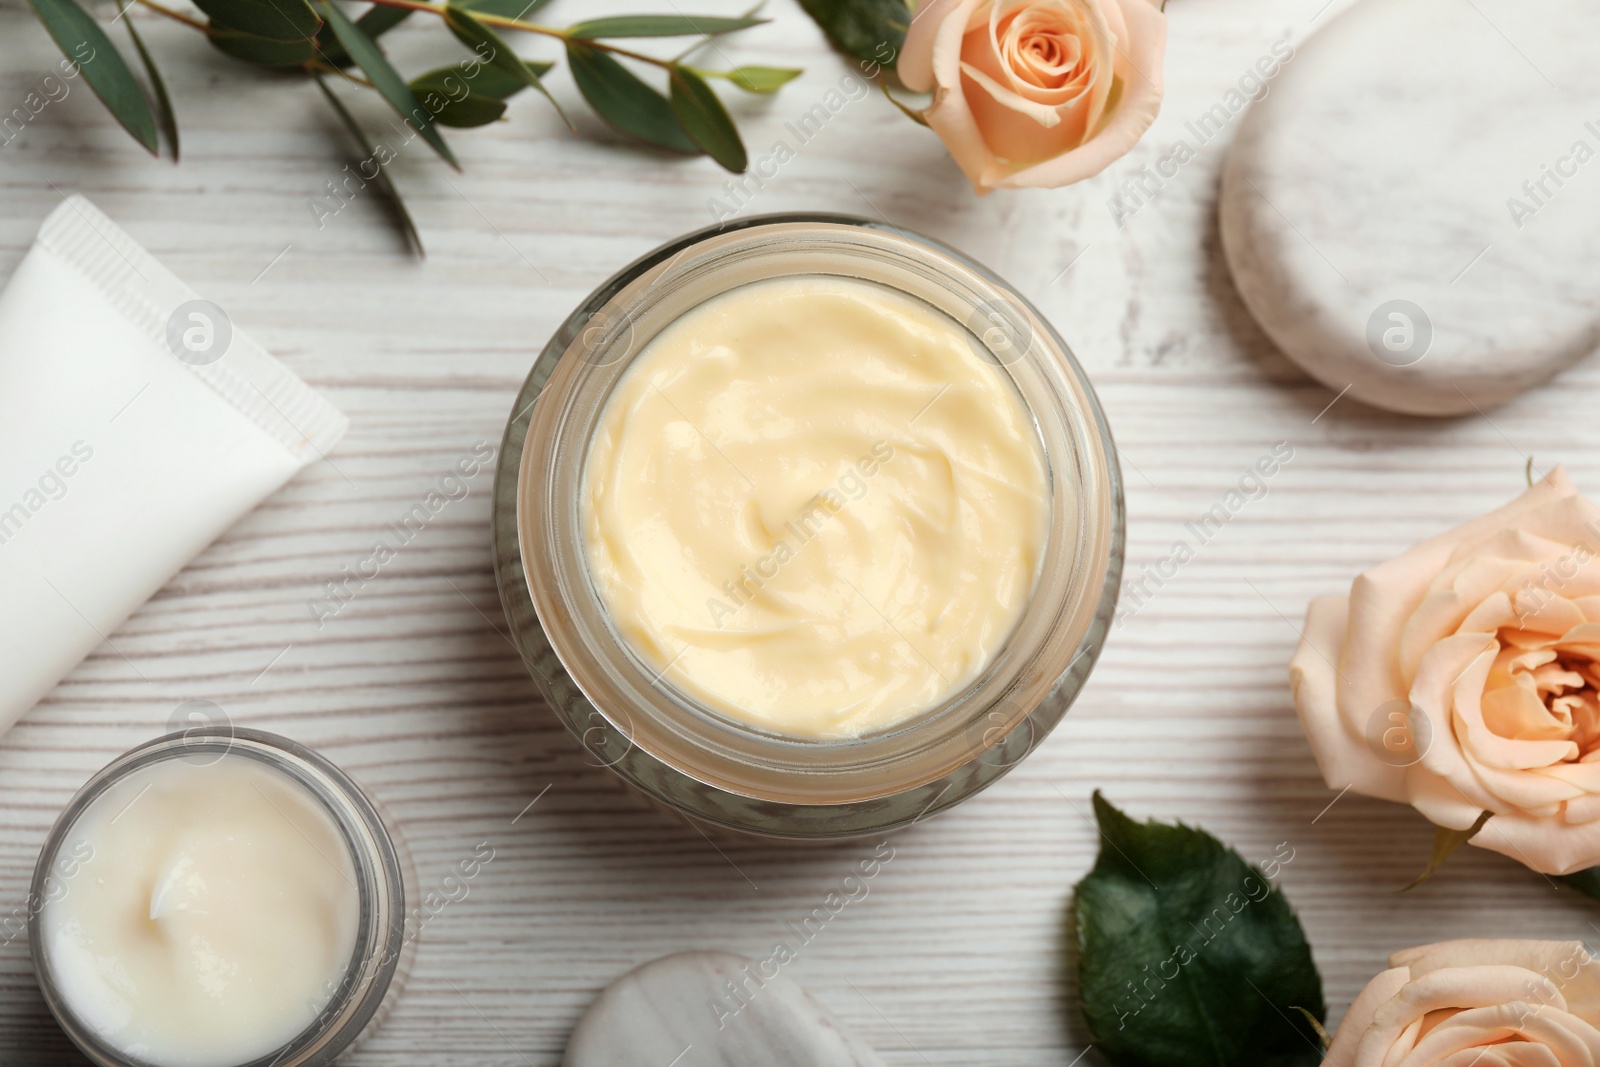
505 23
175 15
323 67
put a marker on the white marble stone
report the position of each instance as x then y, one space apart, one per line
682 1010
1374 211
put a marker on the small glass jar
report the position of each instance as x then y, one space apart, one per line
670 745
381 960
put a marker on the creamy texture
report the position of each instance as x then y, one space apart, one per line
811 504
211 914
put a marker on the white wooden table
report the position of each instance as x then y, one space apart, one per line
956 956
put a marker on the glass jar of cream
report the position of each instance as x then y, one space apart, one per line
808 527
219 898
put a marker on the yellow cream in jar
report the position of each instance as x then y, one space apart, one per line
815 506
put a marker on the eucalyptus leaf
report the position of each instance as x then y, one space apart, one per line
494 52
488 81
508 9
375 21
659 26
83 41
870 30
468 111
705 120
402 216
756 79
262 50
1187 955
454 101
169 118
379 19
278 20
1445 843
627 104
385 78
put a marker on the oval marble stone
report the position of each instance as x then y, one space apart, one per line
1412 211
710 1009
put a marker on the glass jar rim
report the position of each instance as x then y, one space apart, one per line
374 857
591 351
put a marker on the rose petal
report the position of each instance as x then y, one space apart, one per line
1441 803
915 65
1342 1052
1473 986
1139 69
1517 543
1560 848
1550 615
1491 613
1468 596
1385 597
1473 1002
1433 694
997 104
1022 128
1516 711
950 116
1476 739
1344 755
1567 519
1582 809
1509 1054
1551 1036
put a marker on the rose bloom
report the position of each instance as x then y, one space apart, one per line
1476 1004
1461 678
1036 92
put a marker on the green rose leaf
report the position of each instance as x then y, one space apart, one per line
86 44
277 20
1188 957
869 30
627 104
706 121
659 26
1586 881
756 79
385 78
262 50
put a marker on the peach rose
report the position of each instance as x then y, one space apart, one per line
1462 678
1476 1004
1030 93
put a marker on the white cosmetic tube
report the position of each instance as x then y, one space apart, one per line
136 425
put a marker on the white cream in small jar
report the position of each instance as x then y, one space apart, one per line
811 503
211 907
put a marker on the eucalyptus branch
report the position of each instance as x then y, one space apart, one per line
320 66
319 39
176 16
504 23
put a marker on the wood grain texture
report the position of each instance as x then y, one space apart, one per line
955 957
